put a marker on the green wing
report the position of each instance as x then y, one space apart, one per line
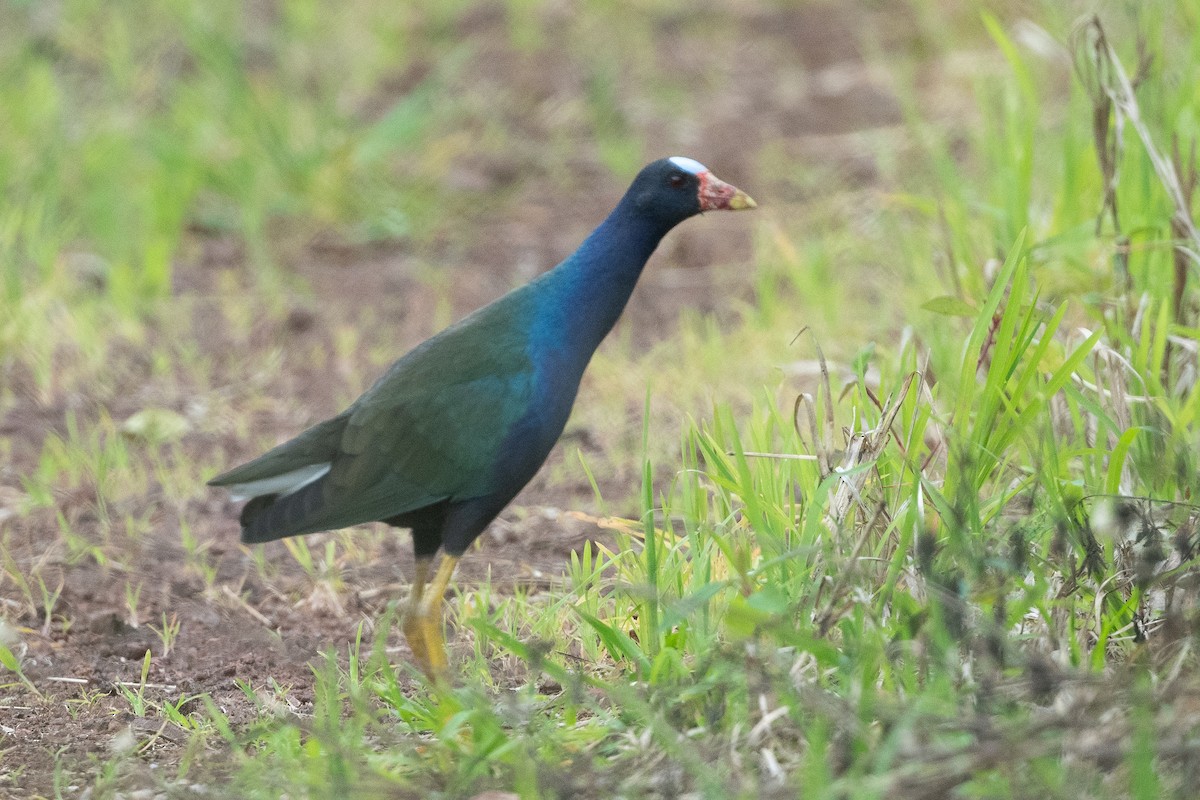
430 429
411 445
317 445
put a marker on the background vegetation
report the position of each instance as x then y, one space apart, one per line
884 491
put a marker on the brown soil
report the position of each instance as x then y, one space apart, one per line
795 78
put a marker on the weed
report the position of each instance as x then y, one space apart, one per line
168 633
133 595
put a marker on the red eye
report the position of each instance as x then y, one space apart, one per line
676 180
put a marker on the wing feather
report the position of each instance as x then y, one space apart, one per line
429 429
317 445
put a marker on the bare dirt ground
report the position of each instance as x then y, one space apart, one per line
797 82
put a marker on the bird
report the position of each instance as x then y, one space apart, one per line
454 429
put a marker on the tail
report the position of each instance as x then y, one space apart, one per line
270 516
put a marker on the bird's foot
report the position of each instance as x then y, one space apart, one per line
423 630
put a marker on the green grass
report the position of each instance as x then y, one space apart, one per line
916 520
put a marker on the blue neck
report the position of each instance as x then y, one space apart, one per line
588 291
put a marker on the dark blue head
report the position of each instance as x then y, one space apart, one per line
672 189
582 297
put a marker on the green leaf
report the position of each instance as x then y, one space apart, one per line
682 610
1116 462
618 642
769 599
9 661
743 618
950 306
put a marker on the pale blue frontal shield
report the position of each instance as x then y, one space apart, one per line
689 164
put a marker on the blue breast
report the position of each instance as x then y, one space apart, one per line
571 309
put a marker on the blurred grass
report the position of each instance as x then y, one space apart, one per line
963 565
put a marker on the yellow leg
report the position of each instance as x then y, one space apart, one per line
423 622
412 630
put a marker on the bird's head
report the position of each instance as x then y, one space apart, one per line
673 189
